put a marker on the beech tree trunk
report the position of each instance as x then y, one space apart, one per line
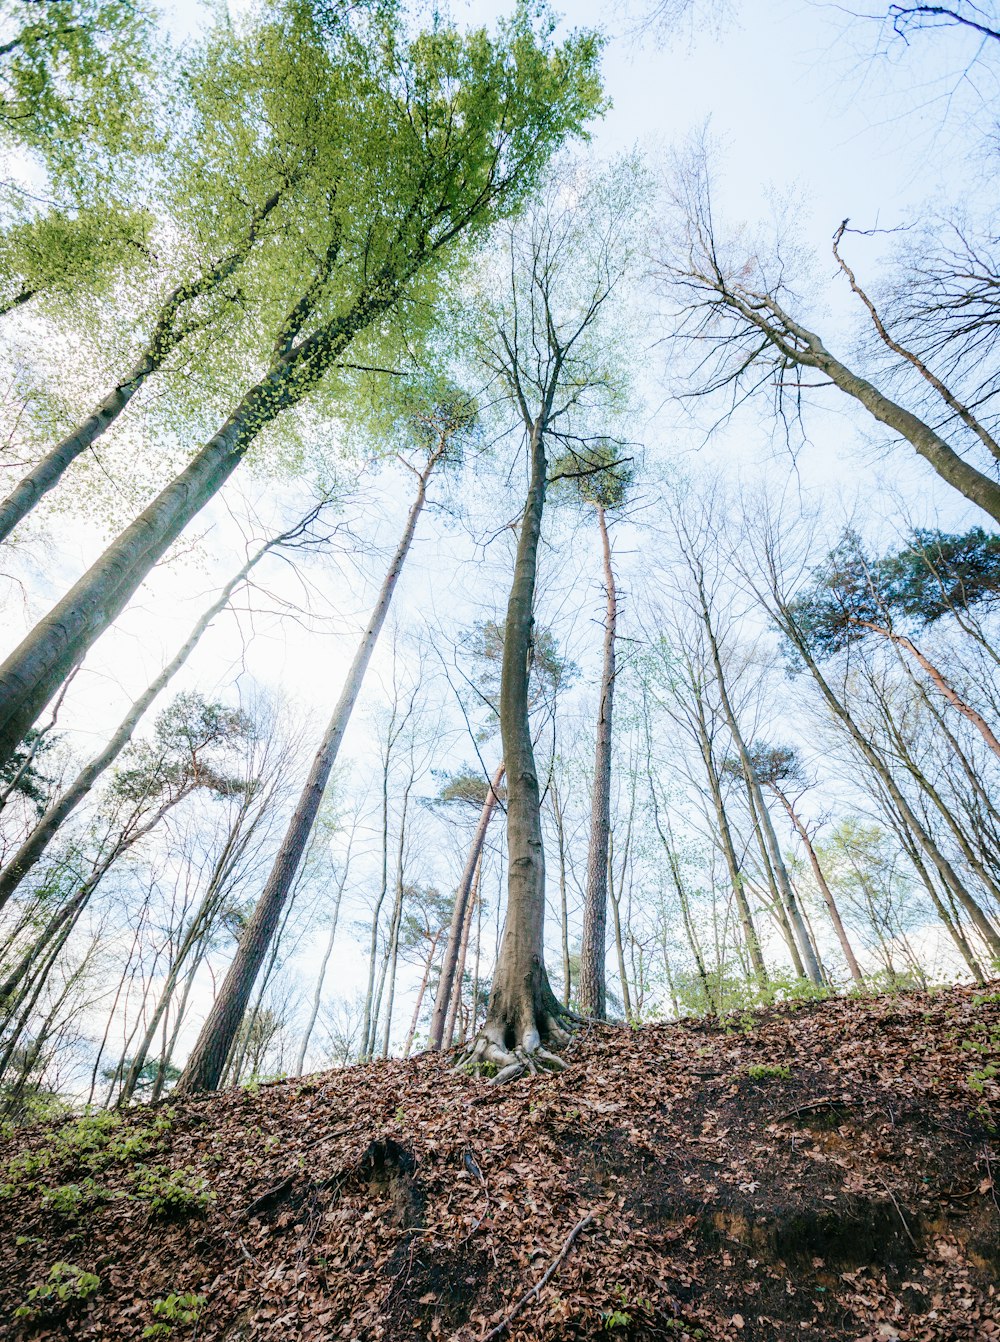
593 988
38 840
462 895
34 670
167 334
523 1013
787 894
208 1058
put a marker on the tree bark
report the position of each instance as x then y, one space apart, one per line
454 1006
593 989
204 1067
320 978
33 671
944 867
446 982
824 888
34 846
523 1014
165 338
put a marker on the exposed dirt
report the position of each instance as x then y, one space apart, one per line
854 1198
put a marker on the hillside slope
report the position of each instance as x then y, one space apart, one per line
847 1188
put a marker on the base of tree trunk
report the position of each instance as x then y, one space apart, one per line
524 1023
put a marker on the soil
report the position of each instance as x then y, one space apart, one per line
826 1171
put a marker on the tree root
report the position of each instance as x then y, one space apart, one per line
490 1054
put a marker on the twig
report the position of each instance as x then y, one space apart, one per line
549 1273
816 1104
899 1210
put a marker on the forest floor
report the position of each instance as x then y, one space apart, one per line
828 1170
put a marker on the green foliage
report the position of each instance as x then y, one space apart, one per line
622 1315
70 1201
20 771
72 75
768 1071
192 745
854 594
98 1140
172 1310
66 1285
88 246
179 1192
600 473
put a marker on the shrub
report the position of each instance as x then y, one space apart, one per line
181 1192
174 1309
66 1285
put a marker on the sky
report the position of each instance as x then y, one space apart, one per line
814 114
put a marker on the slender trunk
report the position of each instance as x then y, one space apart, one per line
593 991
567 976
167 334
328 951
777 909
763 815
736 880
950 693
204 1067
455 1004
446 982
951 923
392 953
34 670
824 888
38 840
868 752
523 1011
619 945
421 993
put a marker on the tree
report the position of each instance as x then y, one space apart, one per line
547 343
777 767
853 597
602 481
440 429
447 133
65 803
736 306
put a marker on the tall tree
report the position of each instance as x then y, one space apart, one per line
547 342
440 428
447 132
602 481
742 315
65 803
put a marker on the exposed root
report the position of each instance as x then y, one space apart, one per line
490 1054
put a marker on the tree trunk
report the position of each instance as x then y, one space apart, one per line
736 880
204 1067
34 670
593 991
328 951
38 840
944 867
165 338
825 891
616 920
459 978
523 1014
392 950
563 900
450 961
